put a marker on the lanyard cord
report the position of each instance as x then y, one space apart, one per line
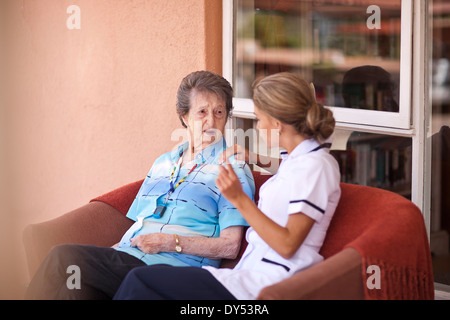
179 182
160 209
172 187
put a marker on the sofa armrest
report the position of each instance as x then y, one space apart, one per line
336 278
96 223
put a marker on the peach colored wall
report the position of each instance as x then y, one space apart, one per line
89 110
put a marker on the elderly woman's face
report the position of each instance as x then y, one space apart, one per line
206 119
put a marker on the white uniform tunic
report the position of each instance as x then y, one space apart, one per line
307 181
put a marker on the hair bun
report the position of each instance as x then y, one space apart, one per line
320 121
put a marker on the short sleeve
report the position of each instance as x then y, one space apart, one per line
228 214
133 210
310 189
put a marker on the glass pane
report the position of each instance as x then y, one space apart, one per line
376 160
369 159
440 141
349 49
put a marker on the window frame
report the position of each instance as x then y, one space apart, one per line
415 124
418 18
345 117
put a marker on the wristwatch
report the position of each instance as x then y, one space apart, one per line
177 244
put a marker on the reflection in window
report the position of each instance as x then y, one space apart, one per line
440 142
349 49
377 160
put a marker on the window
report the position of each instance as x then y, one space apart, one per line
439 140
404 149
357 54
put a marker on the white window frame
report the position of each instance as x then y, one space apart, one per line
344 116
412 120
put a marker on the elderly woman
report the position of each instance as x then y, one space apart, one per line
181 218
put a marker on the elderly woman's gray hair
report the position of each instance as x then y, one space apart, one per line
203 81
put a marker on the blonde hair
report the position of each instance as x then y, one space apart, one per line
290 99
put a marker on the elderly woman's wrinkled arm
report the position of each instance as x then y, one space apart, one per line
226 246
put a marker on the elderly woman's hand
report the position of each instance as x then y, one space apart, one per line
229 184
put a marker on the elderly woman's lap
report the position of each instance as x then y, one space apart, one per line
160 282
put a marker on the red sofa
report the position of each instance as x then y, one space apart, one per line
371 227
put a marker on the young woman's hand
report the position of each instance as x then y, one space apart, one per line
229 184
240 153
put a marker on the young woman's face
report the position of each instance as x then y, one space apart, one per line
268 128
206 119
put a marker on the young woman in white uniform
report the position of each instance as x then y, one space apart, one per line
296 205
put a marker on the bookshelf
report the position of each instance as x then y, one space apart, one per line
377 160
370 159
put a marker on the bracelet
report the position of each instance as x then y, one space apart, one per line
177 244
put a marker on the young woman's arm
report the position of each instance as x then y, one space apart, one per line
284 240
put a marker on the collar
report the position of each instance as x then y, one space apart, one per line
209 154
306 146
